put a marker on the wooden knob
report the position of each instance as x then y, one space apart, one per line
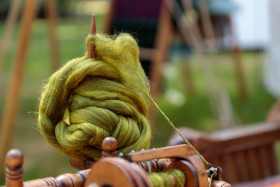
14 170
14 159
109 147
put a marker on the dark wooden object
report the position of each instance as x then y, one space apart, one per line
245 153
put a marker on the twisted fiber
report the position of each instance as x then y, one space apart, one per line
162 179
90 99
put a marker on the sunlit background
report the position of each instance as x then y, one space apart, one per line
185 94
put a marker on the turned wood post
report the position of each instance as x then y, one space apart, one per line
14 170
109 147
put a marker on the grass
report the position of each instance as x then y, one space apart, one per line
194 110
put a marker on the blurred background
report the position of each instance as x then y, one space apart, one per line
200 87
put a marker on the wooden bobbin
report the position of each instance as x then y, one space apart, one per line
156 165
109 147
14 170
188 169
117 172
185 152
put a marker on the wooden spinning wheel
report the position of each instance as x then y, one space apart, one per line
130 171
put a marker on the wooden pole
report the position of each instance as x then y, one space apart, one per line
9 27
239 71
52 16
10 107
91 48
162 43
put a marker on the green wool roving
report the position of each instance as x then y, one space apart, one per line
89 99
162 179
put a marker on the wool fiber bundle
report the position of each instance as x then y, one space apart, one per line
89 99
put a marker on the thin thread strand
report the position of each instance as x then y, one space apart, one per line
173 126
211 178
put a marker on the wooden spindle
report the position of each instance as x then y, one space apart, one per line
48 181
14 170
109 147
68 179
91 47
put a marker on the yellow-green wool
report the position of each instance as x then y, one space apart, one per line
90 99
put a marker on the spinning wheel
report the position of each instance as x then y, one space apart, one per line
132 171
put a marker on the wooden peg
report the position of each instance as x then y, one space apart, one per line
14 170
91 47
109 147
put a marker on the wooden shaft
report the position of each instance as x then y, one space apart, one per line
68 179
178 151
52 15
91 47
9 27
239 73
10 108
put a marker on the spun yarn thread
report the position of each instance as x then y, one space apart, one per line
89 99
163 179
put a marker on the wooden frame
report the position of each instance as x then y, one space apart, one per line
130 171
